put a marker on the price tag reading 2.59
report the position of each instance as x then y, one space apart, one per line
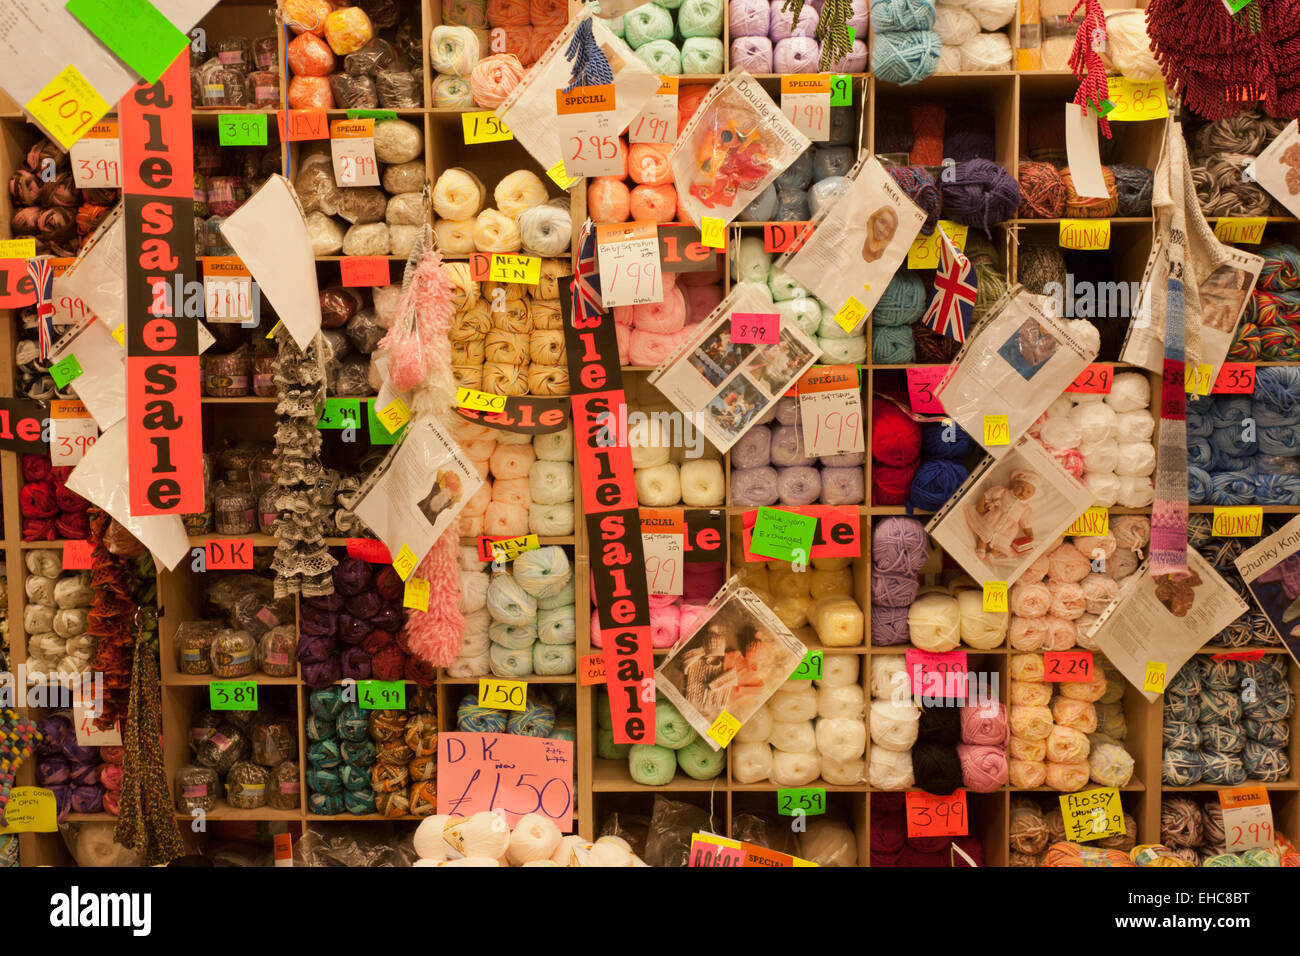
588 133
627 257
352 145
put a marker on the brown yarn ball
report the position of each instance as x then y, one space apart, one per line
1042 193
1038 266
933 348
1089 207
1029 832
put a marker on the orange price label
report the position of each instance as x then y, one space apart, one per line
591 669
931 815
1068 667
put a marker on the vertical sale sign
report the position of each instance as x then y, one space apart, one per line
164 421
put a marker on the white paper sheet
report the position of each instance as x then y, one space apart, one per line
269 234
101 386
1278 168
1082 152
102 479
98 277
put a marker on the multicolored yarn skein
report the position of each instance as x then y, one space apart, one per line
1270 328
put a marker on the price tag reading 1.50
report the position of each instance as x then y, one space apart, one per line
484 127
352 146
232 695
588 133
806 101
502 694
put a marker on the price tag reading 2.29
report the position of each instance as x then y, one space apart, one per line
627 256
588 133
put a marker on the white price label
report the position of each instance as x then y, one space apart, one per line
1247 819
627 257
663 541
90 736
352 144
830 411
72 432
68 309
657 121
588 134
97 158
806 102
227 291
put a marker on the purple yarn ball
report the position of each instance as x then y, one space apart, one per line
56 729
781 26
355 664
855 61
352 576
799 485
701 581
749 18
753 54
365 605
796 54
753 450
888 625
853 459
85 774
313 649
77 753
787 410
753 487
899 545
893 590
317 621
329 602
353 630
980 193
389 618
843 486
787 447
87 799
322 674
52 771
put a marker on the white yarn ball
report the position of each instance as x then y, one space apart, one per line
1061 405
793 705
1060 431
469 559
955 25
890 769
702 483
1135 491
795 769
1128 47
1129 392
980 629
949 60
986 52
992 14
894 726
842 773
1104 486
1095 420
648 443
934 622
757 728
564 853
847 701
472 861
839 669
534 837
94 845
483 835
793 736
1100 456
428 841
1135 458
473 590
1137 425
841 738
555 446
751 762
1084 332
660 486
888 672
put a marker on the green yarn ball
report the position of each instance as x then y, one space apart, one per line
672 730
700 18
646 23
606 749
702 55
902 303
650 765
699 761
662 57
892 345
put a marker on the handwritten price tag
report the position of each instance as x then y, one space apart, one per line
756 328
722 730
921 384
232 695
352 146
841 90
924 251
560 177
663 543
1235 378
587 131
1091 234
806 102
931 815
67 106
995 597
19 249
241 129
480 401
227 290
484 127
72 432
937 675
405 562
300 125
1092 814
78 556
1093 522
1238 521
524 269
368 549
88 735
1153 679
394 415
1137 100
810 668
508 774
1096 379
1068 667
364 271
381 694
591 669
786 236
657 121
627 257
1247 819
65 370
997 430
97 158
502 694
809 801
416 594
1197 379
1247 230
713 232
830 410
851 314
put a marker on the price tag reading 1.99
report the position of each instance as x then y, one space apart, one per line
657 121
587 131
806 101
627 257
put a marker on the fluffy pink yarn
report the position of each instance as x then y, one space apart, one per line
624 334
701 300
623 315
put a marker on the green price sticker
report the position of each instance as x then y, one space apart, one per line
810 668
135 31
783 535
65 370
232 695
340 413
375 115
841 90
381 694
810 801
379 433
242 129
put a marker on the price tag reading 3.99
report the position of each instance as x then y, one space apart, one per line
588 134
97 158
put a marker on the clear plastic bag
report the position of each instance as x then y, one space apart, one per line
668 842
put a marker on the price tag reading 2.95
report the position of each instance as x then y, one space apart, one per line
588 133
352 145
806 101
627 257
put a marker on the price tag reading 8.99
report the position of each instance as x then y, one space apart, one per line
588 134
627 257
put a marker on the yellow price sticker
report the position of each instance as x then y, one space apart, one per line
525 269
394 415
1238 521
480 401
507 549
416 594
713 232
18 248
405 562
851 314
1092 814
1154 678
1095 522
995 596
1084 234
723 729
924 251
68 106
1198 379
559 177
502 694
1136 100
484 127
1245 229
119 333
997 430
30 810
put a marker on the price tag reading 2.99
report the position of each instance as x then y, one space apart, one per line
627 257
588 133
352 145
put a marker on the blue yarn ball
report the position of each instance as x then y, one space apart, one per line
892 345
762 208
798 175
358 753
1222 769
897 15
1223 738
935 443
1198 485
1220 706
359 802
354 778
324 754
471 718
791 205
1181 734
317 728
1199 453
832 161
935 482
324 781
535 720
1181 768
327 703
326 804
1265 762
353 723
902 303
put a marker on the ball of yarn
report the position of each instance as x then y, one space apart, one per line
1133 187
1089 207
980 193
748 18
752 53
937 768
902 302
935 482
896 438
920 186
954 24
905 57
896 15
1128 47
984 52
1042 194
899 545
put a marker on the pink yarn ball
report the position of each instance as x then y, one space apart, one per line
701 300
665 623
691 617
653 203
623 315
983 768
608 199
665 317
749 18
650 349
624 333
853 62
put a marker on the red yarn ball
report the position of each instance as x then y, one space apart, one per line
891 483
896 439
69 500
36 468
389 663
75 526
421 672
38 529
37 500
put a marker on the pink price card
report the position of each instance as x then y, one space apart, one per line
78 556
710 850
921 385
755 328
937 675
506 773
368 549
364 270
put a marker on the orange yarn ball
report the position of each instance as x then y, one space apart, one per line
608 199
653 203
647 163
508 13
1088 207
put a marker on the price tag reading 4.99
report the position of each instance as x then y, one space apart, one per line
352 144
97 158
657 121
502 694
381 695
806 101
588 134
627 256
